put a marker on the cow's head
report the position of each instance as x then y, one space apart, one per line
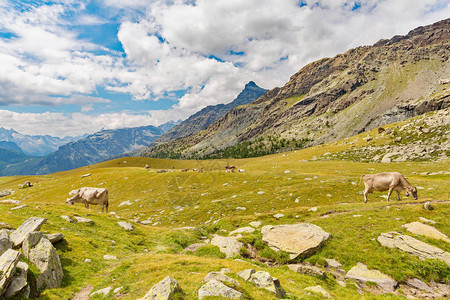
69 201
412 192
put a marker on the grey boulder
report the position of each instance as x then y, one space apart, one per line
230 246
218 289
8 264
5 241
163 290
362 274
264 280
29 225
19 282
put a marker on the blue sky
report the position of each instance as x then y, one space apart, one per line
75 66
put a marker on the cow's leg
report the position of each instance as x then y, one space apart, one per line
366 192
390 192
102 208
398 195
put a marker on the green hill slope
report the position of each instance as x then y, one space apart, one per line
216 202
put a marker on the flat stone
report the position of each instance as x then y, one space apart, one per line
242 230
126 226
83 220
55 237
362 274
214 288
413 246
109 257
194 247
5 241
427 220
255 224
29 225
332 263
230 246
301 239
246 274
128 202
67 218
19 282
420 285
318 290
44 256
426 230
19 207
264 280
8 264
307 270
313 209
278 216
103 292
10 201
4 193
163 290
220 277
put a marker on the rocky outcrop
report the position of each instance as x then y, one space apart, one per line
362 274
214 288
163 290
125 225
220 277
426 230
29 225
413 246
230 246
307 270
246 274
44 256
55 237
298 240
8 263
19 282
264 280
5 242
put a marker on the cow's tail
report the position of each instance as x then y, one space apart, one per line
360 180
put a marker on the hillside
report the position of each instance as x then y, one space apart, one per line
333 98
210 114
170 210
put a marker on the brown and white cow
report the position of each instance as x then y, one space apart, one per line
89 195
387 182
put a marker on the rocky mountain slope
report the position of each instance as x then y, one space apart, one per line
333 98
210 114
35 145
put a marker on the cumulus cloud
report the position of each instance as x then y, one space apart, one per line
206 48
74 124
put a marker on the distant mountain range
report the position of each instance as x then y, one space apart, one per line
90 150
35 145
332 98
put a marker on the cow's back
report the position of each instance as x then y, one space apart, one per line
382 181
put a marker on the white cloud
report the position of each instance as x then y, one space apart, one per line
173 45
75 124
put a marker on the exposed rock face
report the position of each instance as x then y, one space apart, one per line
230 246
5 241
318 290
163 290
30 242
299 239
426 230
8 263
307 270
29 225
216 288
220 277
413 246
44 256
362 274
19 282
83 220
246 274
263 280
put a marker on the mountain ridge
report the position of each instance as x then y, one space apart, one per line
333 98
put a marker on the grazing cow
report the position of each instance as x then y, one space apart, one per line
89 195
230 169
184 170
387 181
